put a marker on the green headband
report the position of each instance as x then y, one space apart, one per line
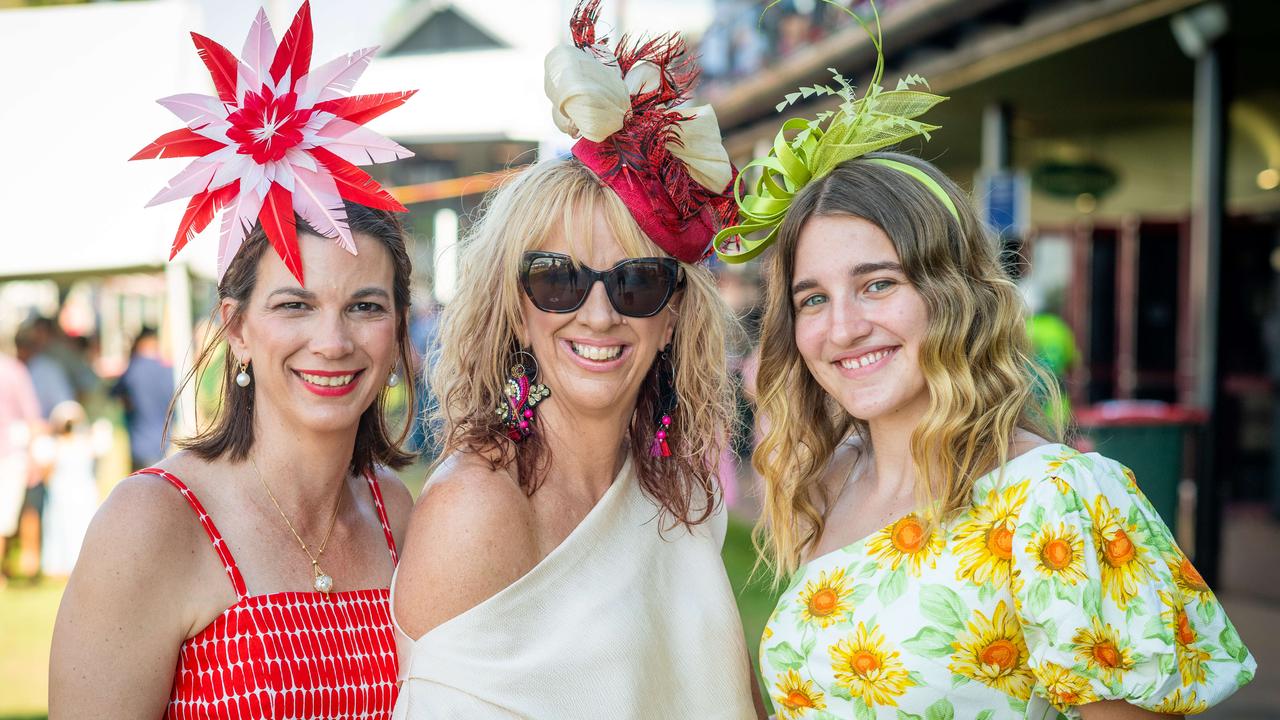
878 119
925 179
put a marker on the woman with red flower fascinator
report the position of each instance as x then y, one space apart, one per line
564 558
247 576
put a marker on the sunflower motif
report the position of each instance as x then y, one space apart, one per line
866 667
1125 564
1131 479
1191 658
984 542
1188 579
1059 553
1100 649
906 542
993 652
1064 688
1176 704
825 600
796 696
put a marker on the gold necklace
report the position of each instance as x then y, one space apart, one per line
323 582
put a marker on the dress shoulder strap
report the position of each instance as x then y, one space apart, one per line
376 491
215 537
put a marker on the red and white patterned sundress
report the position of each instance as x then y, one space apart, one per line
288 654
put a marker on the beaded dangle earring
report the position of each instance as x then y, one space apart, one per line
665 373
522 394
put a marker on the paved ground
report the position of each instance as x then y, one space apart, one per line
1250 591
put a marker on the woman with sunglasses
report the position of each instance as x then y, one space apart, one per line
945 555
563 560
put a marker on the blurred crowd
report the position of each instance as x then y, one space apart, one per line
55 427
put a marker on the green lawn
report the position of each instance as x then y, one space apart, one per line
26 624
27 613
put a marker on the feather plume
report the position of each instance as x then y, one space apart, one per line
293 57
259 50
279 224
199 214
355 184
360 109
335 78
222 66
178 143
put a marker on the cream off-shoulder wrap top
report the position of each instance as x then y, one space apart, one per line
627 618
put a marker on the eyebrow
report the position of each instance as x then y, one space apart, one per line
304 294
859 269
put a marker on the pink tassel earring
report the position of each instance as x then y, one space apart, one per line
666 405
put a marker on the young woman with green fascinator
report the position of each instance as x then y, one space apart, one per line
944 554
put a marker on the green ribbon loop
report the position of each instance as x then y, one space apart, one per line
805 150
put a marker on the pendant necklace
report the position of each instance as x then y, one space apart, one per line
322 582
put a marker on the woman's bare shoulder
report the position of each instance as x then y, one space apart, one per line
471 535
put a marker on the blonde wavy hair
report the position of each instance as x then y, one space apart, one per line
982 382
479 338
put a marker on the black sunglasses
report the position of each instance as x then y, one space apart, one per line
637 287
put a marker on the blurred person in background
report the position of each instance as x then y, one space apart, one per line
53 387
283 510
20 421
424 330
564 558
72 449
145 389
73 354
1053 345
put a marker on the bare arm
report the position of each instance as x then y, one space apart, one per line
470 536
120 624
1119 710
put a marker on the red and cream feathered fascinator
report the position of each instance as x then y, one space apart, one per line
668 165
279 138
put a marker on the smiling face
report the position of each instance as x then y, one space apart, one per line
320 354
594 358
859 323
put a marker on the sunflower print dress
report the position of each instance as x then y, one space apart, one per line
1059 586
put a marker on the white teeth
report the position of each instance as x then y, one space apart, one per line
591 352
865 360
327 381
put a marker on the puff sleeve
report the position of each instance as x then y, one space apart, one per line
1110 606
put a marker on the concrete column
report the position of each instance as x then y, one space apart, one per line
1198 32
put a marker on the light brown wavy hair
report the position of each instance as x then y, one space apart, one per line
479 339
982 382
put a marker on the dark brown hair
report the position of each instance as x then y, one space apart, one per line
230 433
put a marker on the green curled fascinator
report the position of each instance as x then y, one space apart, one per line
878 119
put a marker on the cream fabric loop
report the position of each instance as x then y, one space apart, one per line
644 76
701 149
588 97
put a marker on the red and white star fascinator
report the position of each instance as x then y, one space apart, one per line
667 164
279 138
